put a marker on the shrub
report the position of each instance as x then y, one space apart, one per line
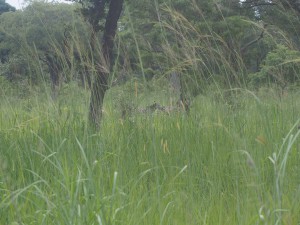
281 67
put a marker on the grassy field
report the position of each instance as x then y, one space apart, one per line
233 160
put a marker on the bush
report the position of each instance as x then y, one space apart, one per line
281 67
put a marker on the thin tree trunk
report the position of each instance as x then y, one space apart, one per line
54 74
183 101
100 84
99 87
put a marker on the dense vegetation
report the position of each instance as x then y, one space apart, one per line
200 116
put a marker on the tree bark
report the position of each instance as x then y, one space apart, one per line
100 84
53 66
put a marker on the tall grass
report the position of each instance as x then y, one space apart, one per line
226 163
233 160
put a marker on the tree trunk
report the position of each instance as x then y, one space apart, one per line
100 84
54 74
98 90
183 101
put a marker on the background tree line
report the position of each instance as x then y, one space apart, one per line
250 44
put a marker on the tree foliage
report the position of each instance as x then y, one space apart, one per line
44 33
281 67
5 7
203 42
